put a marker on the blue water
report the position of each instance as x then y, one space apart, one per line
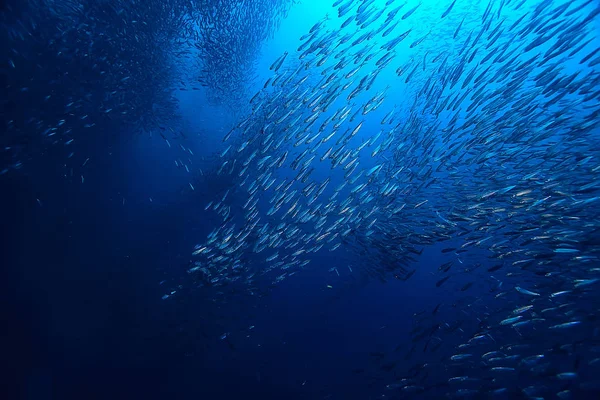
88 256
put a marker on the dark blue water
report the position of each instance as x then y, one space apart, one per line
98 301
86 319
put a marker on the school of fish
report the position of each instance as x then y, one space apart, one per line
395 126
76 69
488 142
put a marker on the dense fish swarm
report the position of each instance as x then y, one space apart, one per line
230 35
78 67
489 141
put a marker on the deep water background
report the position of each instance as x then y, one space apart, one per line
86 319
82 296
84 304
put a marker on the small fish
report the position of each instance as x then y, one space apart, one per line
566 250
411 11
521 310
525 291
510 321
565 325
567 375
441 281
502 369
448 9
460 357
277 63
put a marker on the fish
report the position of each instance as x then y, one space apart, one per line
495 268
442 281
449 9
278 63
489 154
525 291
411 11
